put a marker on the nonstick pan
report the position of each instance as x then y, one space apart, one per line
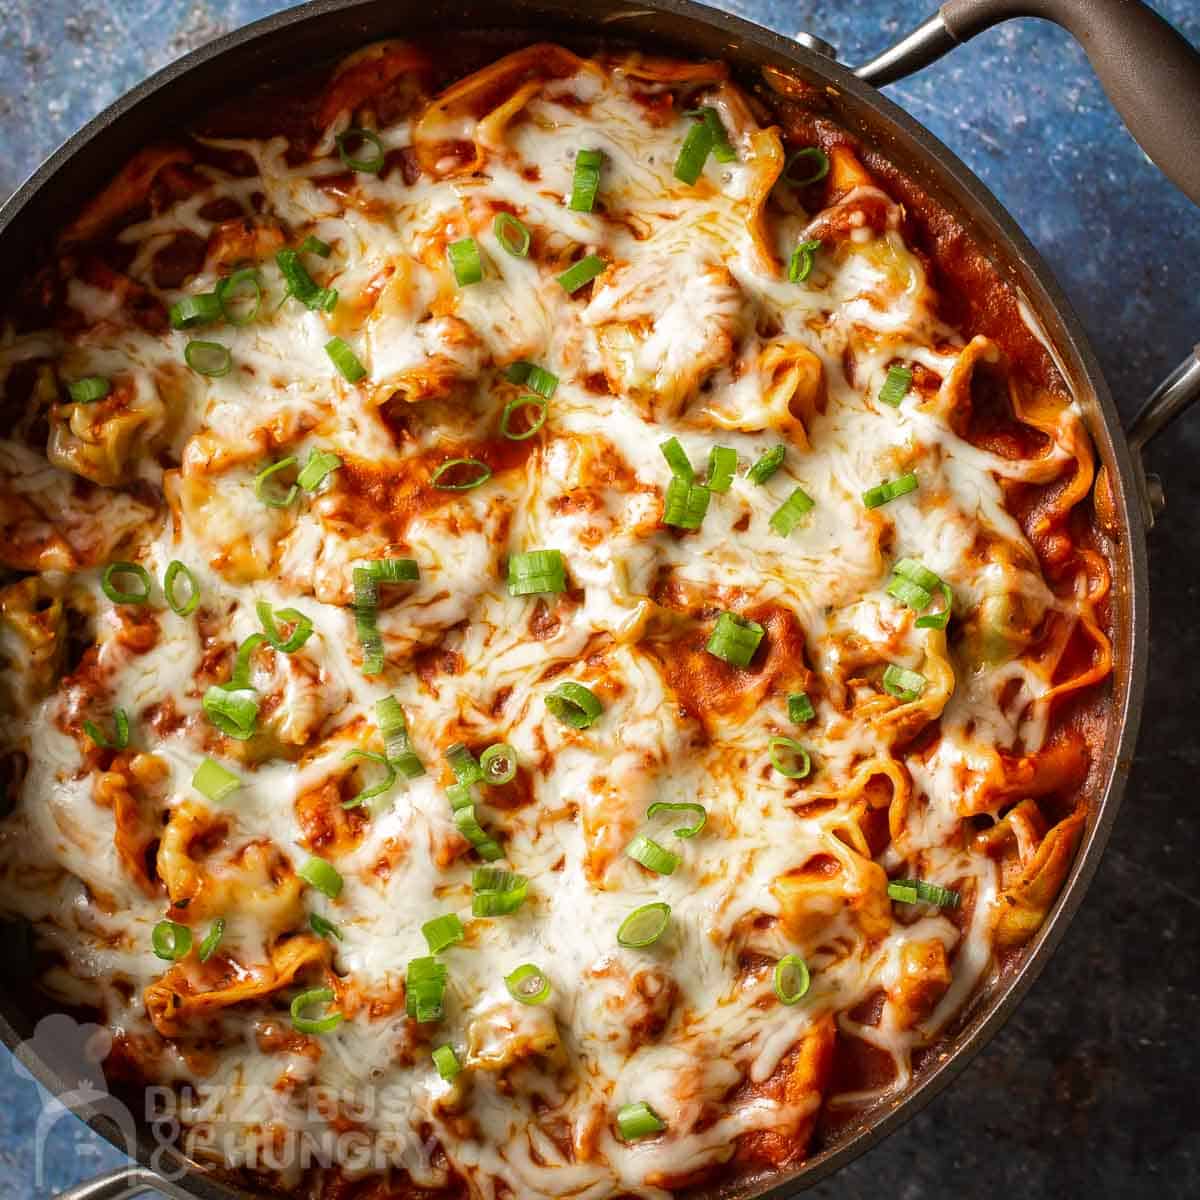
1152 76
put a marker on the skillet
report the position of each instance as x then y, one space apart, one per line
1148 71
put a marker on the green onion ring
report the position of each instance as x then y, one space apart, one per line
515 406
528 984
644 926
791 979
118 595
483 475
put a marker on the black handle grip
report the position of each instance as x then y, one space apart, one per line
1148 69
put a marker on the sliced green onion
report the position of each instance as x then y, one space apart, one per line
903 684
443 932
515 406
465 261
686 503
819 169
202 309
638 1120
722 463
460 796
120 595
322 927
575 705
395 570
208 358
677 459
889 490
914 585
425 989
171 940
366 614
941 618
212 940
800 708
462 763
314 1025
467 823
528 984
322 875
586 181
302 627
722 148
234 306
584 271
791 979
652 856
446 1062
394 730
767 465
693 154
536 572
265 480
909 593
89 389
684 831
499 764
121 736
512 234
895 387
317 469
480 474
214 782
535 378
232 710
644 926
345 360
356 138
791 512
912 891
185 608
735 639
497 892
243 659
800 266
301 284
313 245
789 758
376 789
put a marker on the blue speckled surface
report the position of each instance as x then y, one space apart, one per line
1089 1091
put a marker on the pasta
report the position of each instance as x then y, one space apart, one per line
553 504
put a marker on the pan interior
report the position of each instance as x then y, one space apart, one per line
324 31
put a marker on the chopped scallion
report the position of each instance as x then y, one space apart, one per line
465 261
528 984
575 705
735 639
512 234
351 144
586 180
652 856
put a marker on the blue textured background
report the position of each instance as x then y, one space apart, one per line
1090 1090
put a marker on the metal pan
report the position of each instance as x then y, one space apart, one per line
1152 76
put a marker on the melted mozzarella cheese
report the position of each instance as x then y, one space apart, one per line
681 326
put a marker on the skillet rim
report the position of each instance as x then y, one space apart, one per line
1020 264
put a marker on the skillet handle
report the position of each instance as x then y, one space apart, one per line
1150 72
1179 391
122 1184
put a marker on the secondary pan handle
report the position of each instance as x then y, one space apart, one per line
124 1183
1150 71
